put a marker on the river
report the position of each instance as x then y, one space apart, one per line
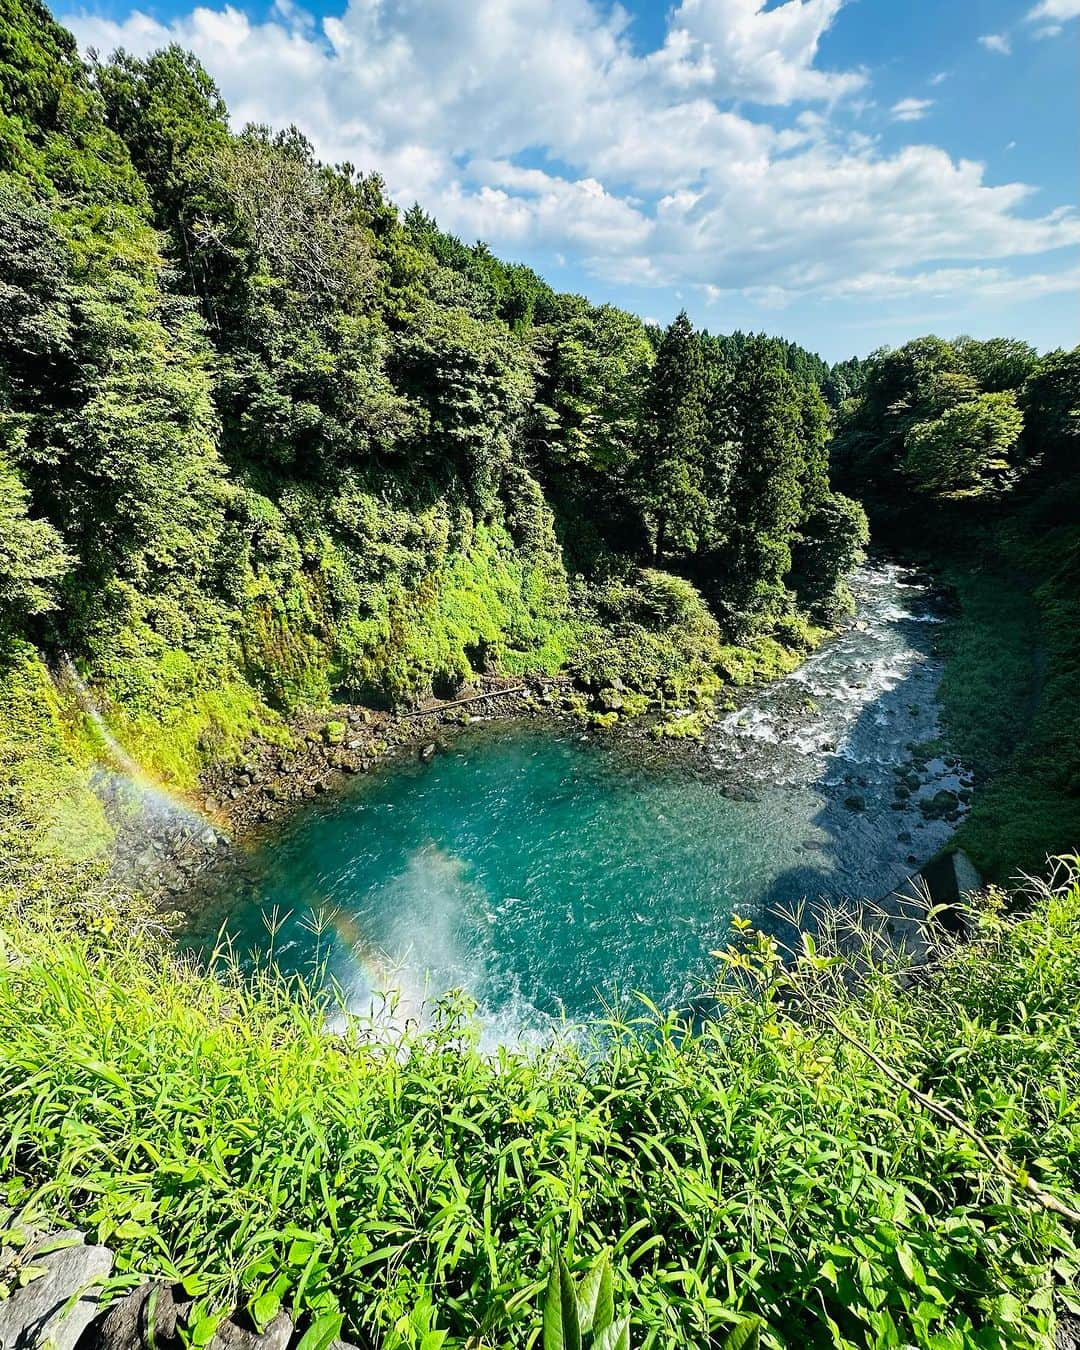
552 873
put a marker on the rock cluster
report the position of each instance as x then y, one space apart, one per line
54 1299
53 1284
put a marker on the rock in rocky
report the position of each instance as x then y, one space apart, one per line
855 801
38 1314
153 1316
428 751
1067 1335
940 806
277 1335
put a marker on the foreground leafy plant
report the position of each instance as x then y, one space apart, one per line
581 1315
218 1129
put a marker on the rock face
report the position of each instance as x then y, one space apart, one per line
151 1318
38 1314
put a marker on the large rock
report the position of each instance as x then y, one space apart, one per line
151 1318
38 1314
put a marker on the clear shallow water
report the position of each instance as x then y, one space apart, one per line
547 873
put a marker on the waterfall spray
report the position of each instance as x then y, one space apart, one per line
125 773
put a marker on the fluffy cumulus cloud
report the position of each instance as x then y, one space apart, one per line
727 158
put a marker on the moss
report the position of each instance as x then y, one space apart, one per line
54 837
194 721
486 608
334 732
680 727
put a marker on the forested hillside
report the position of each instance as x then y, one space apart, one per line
257 426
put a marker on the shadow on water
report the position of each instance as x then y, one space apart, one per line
887 800
545 872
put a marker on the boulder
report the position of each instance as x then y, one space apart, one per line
153 1317
940 806
855 801
428 751
38 1314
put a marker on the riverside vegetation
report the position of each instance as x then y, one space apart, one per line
266 444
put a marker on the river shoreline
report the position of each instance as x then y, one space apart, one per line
177 860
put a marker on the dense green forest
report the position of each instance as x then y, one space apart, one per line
269 443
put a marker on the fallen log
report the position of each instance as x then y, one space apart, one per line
461 702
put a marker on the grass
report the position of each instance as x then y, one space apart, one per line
1009 706
226 1132
989 687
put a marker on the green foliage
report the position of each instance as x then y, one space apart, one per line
831 542
1009 698
990 432
1050 398
760 1168
965 451
580 1315
54 837
766 490
32 557
651 633
670 473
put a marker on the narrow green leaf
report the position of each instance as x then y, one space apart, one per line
588 1294
553 1330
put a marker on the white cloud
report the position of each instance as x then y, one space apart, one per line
1054 11
911 109
997 42
988 283
536 124
738 48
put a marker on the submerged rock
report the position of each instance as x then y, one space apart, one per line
941 806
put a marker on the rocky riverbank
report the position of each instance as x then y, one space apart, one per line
796 728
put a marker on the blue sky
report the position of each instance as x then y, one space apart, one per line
847 173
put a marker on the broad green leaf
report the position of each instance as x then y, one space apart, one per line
265 1309
321 1332
746 1336
614 1337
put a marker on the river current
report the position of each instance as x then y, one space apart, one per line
552 873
